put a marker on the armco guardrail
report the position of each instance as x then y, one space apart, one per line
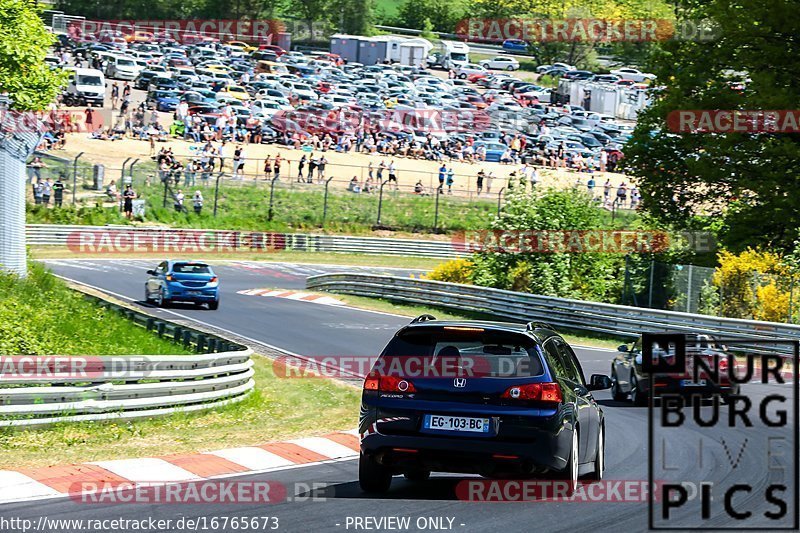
117 238
619 320
125 387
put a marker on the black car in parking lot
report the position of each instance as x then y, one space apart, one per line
492 398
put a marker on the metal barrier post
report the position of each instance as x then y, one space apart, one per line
380 202
499 199
325 200
436 212
216 192
75 176
272 198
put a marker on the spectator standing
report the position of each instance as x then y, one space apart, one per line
197 201
603 160
267 169
300 167
450 180
47 191
127 198
481 177
312 166
606 191
622 195
442 176
35 169
489 178
278 167
533 177
381 167
238 162
58 191
321 168
38 189
393 175
114 96
179 197
636 197
590 186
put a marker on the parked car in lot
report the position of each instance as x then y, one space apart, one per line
501 63
182 281
630 381
634 74
469 69
510 400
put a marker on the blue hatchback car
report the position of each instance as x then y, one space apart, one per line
182 281
515 45
490 398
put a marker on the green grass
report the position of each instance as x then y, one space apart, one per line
41 316
278 409
246 207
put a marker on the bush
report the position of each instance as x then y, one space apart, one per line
455 271
750 285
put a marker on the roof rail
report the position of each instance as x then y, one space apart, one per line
423 318
537 324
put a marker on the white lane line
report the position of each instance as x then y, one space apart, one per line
17 486
325 447
252 458
147 470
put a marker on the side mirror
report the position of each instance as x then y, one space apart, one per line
623 348
599 382
151 272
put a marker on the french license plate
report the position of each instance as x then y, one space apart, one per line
456 423
194 293
690 383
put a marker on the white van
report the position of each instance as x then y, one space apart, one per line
87 86
122 68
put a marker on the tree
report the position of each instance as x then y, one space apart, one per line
24 40
744 183
443 14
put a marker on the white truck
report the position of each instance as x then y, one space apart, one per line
451 55
87 86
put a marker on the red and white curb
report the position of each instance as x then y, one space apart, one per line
61 480
293 295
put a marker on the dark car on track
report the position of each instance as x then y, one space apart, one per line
493 398
629 380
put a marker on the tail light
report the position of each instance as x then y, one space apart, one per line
169 277
213 280
542 392
388 384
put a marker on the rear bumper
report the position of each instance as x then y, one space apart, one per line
545 452
182 294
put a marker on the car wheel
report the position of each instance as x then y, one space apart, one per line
373 477
213 305
160 300
616 392
510 67
485 65
147 298
417 476
570 472
462 76
600 456
638 397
